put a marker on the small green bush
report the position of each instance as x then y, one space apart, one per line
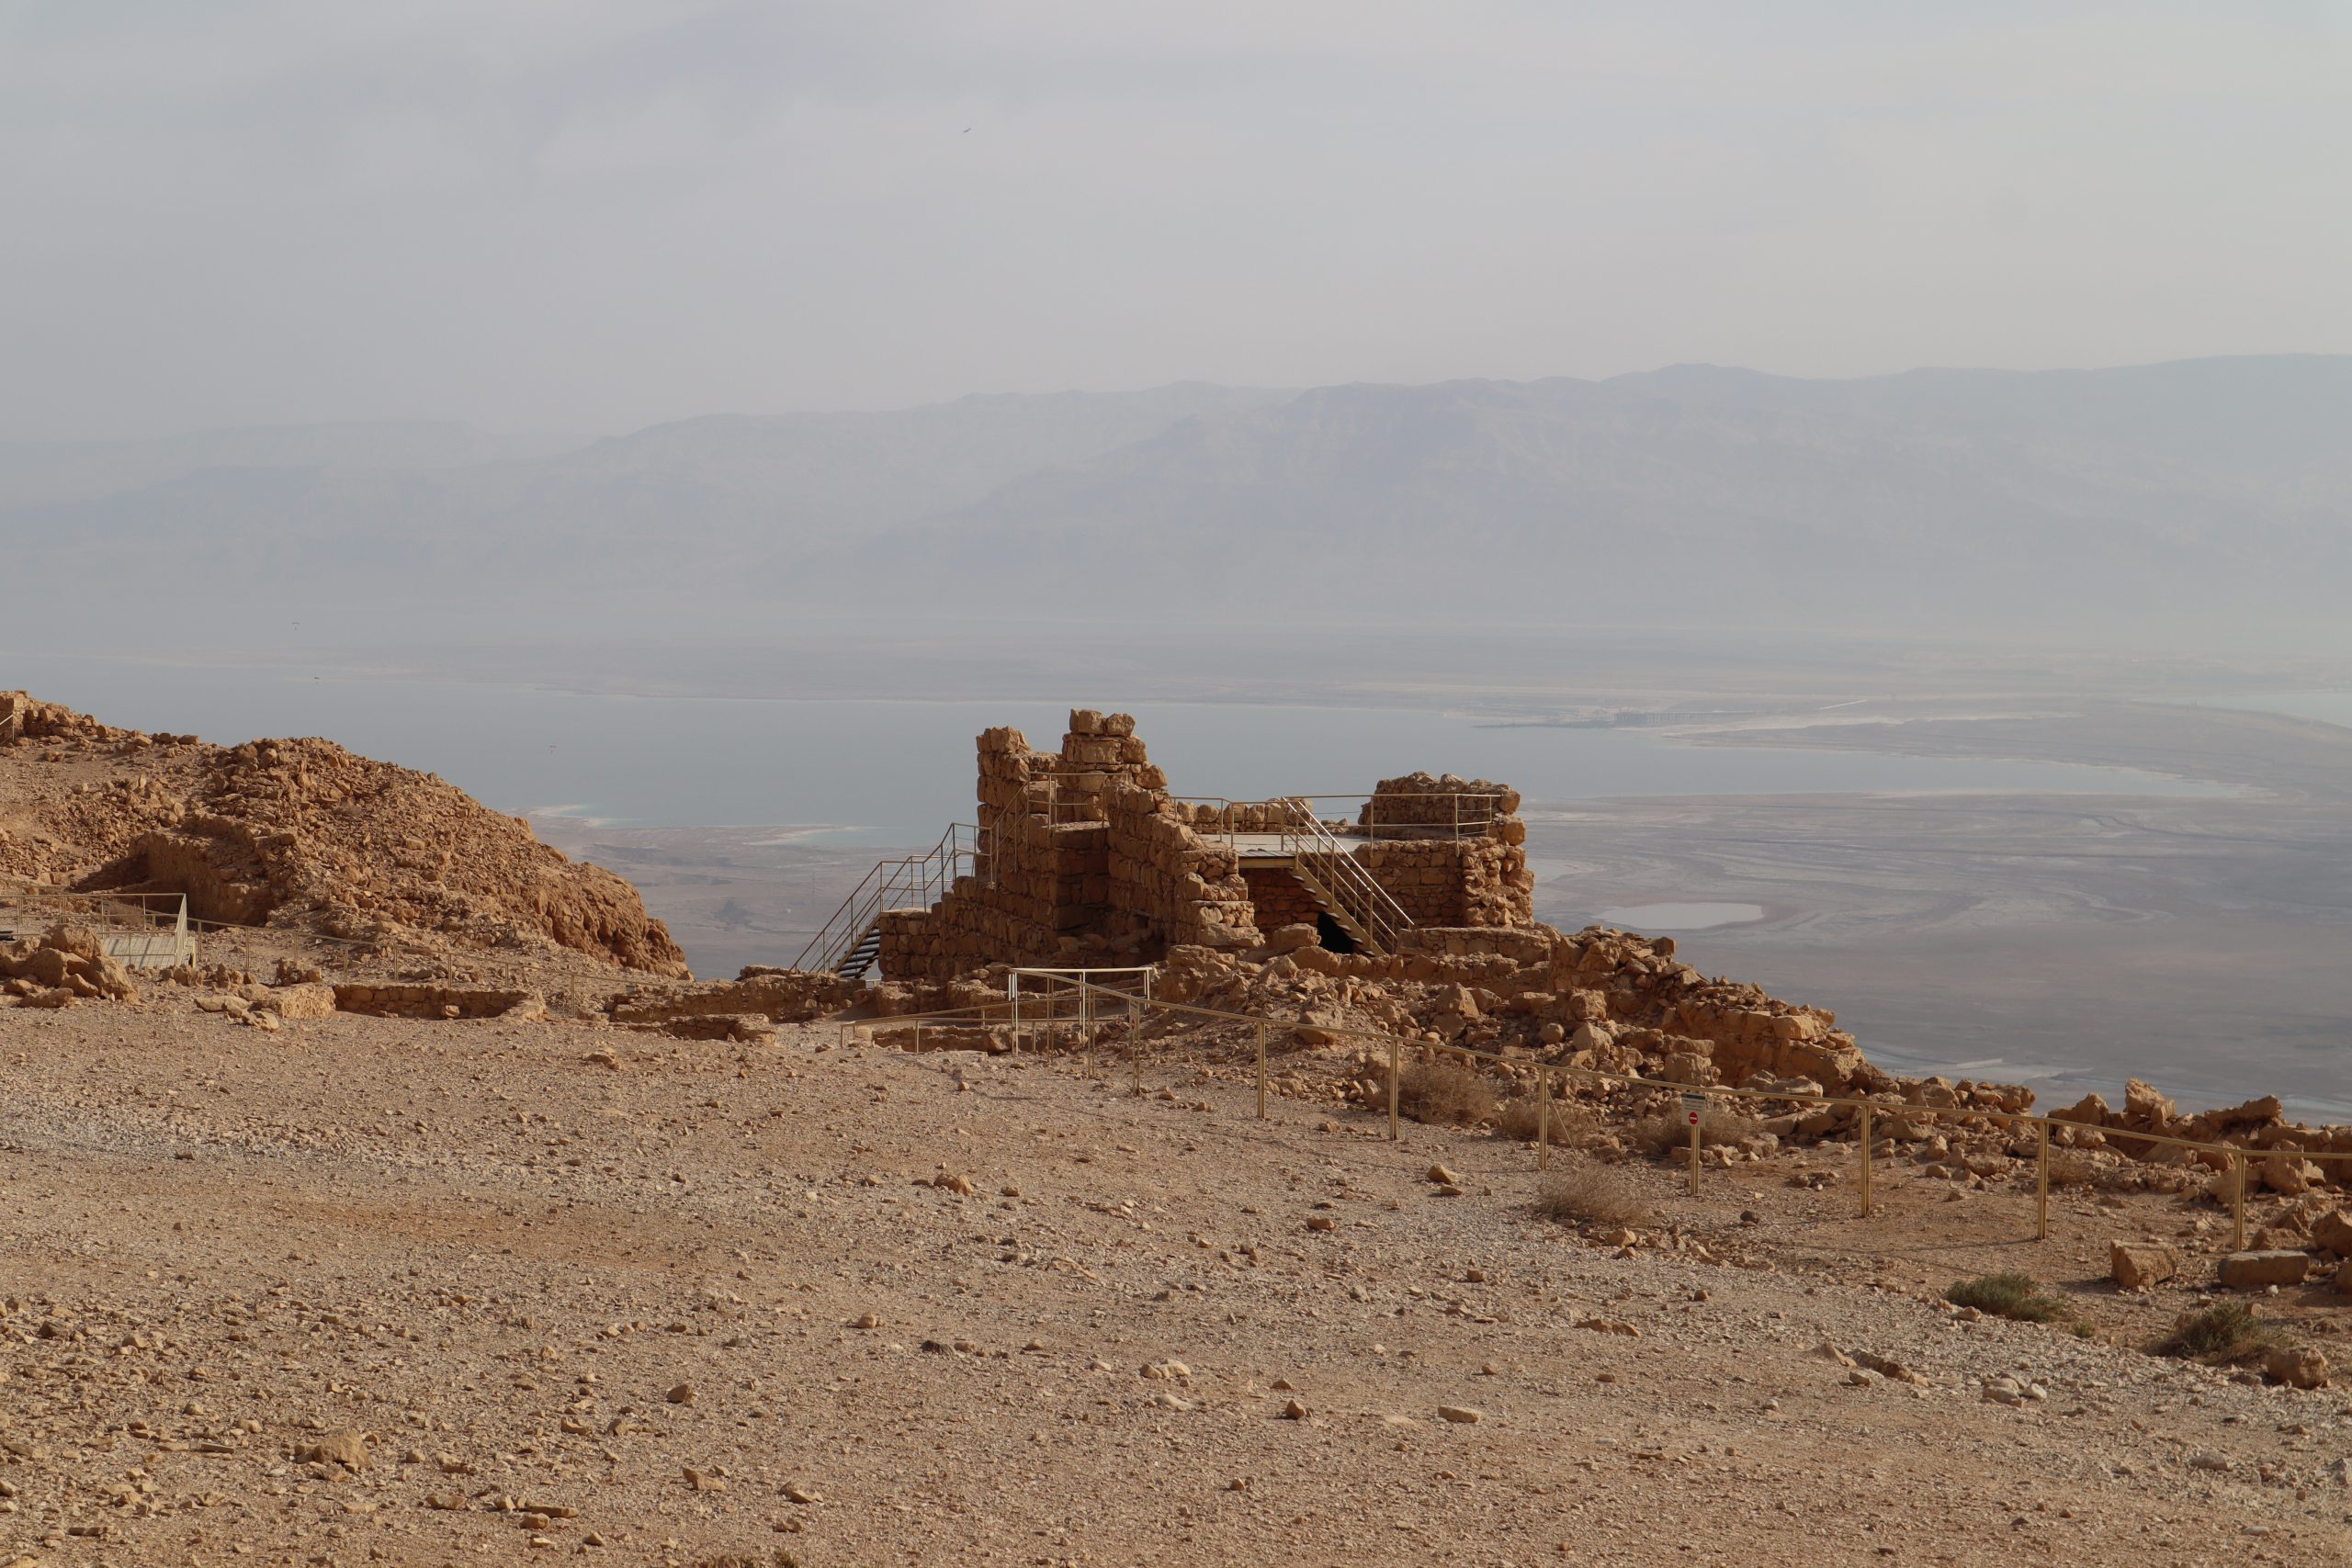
2006 1295
2227 1331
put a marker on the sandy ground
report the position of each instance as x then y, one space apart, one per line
598 1292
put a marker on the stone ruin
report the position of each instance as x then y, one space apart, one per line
1086 858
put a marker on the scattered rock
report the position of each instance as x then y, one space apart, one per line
346 1446
2139 1267
2297 1366
1609 1325
1460 1415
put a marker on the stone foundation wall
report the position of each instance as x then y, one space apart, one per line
781 996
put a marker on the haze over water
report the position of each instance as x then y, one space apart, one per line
899 772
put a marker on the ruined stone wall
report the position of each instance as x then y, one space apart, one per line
1183 888
1278 898
1085 860
1455 882
1461 860
1444 803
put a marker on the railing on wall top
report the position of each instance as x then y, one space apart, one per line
905 881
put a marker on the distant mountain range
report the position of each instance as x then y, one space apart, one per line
2196 500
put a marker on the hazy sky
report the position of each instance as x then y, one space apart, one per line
588 215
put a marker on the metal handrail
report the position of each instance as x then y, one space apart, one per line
1345 883
1481 814
924 879
162 917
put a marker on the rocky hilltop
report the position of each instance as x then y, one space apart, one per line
298 833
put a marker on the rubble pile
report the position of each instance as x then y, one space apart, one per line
298 833
59 968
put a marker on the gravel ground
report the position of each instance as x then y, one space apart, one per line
598 1292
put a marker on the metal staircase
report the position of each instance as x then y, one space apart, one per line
1327 868
850 941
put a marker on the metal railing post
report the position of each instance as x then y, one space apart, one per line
2237 1201
1542 1119
1396 1072
1694 1149
2041 1184
1261 1072
1866 1161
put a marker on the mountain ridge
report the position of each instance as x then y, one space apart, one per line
2193 491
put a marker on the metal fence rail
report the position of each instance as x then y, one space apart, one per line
141 930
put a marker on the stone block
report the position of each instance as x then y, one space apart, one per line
2138 1268
2253 1270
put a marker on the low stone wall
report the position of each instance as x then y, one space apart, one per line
435 1001
781 996
1522 944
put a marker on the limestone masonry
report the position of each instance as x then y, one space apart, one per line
1087 859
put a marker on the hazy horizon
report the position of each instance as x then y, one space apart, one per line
544 438
600 216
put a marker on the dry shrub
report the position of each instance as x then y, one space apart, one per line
1579 1192
1438 1092
1573 1126
1666 1132
2223 1333
1517 1118
2006 1295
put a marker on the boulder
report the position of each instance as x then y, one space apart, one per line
2138 1268
1290 939
2253 1270
344 1446
2144 1109
2333 1232
2290 1174
2297 1366
308 1001
2090 1111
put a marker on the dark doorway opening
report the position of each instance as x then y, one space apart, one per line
1329 933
